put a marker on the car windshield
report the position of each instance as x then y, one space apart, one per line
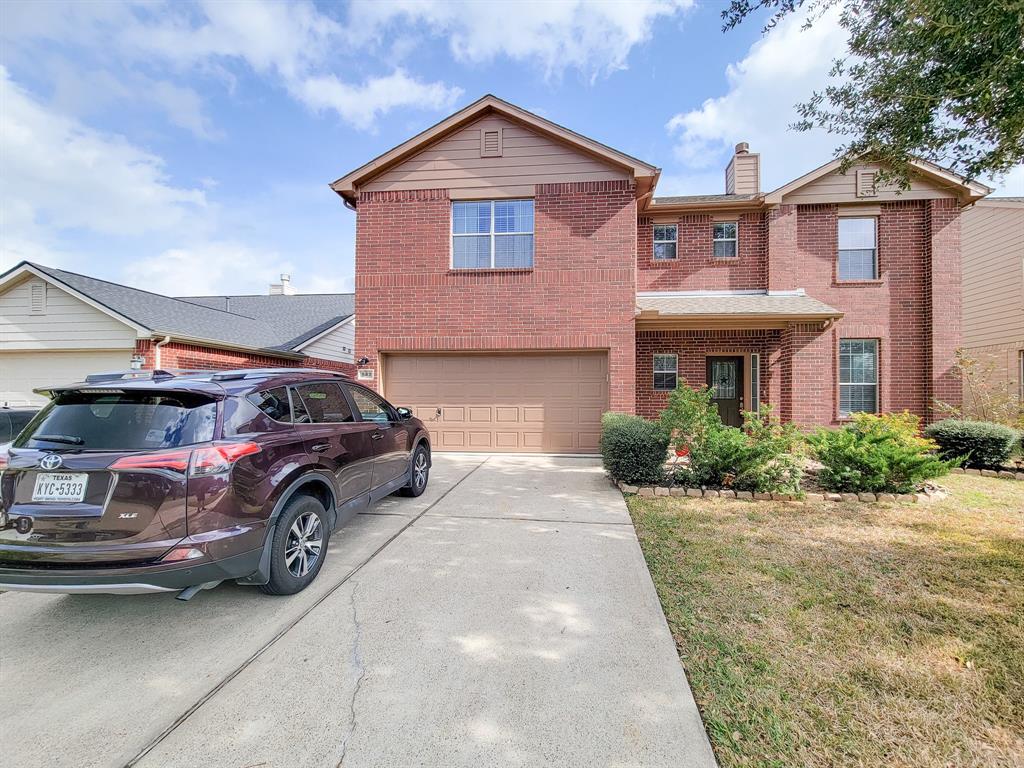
121 421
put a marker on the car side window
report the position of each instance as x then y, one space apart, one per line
322 403
371 407
273 402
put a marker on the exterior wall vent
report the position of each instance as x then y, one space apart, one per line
37 298
490 142
866 184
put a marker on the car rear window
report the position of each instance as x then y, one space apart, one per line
119 421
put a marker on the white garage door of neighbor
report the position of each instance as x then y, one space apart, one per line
522 402
21 372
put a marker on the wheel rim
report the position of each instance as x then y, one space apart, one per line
419 470
305 540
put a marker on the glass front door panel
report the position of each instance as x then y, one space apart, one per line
723 378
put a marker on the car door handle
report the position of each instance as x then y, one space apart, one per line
377 436
320 447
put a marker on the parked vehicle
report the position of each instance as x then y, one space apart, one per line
161 482
13 420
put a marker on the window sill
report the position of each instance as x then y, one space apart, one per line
855 283
490 271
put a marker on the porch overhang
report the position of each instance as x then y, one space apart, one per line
731 310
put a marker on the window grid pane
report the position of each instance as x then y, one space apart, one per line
858 249
665 372
665 241
492 234
725 249
755 383
858 375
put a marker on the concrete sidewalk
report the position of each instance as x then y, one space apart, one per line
513 623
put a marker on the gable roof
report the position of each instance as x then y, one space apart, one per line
967 191
251 323
347 186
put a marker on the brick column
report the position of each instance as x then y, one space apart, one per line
942 288
782 243
808 376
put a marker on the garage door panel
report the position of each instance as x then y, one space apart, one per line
504 402
23 371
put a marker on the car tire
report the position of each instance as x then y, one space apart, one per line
419 472
295 559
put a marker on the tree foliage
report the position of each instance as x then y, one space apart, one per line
941 80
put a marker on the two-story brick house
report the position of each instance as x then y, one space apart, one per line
515 279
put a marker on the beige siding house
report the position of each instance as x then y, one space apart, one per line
992 233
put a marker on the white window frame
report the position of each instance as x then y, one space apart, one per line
655 242
491 233
839 250
734 240
755 382
839 355
655 371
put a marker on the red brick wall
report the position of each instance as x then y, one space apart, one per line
693 347
943 277
175 355
695 268
892 309
580 293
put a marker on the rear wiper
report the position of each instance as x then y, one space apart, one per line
67 439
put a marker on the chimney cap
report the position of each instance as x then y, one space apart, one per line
742 148
285 277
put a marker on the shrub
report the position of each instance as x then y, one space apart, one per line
982 444
876 454
633 448
763 456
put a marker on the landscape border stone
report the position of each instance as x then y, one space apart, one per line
652 491
1006 474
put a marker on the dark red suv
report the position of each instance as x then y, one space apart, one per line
160 481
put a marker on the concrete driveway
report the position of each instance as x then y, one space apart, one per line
504 618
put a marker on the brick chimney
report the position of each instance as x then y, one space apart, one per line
743 174
284 288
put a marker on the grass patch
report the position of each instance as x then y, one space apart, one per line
849 635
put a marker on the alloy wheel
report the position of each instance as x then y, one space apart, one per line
419 470
305 540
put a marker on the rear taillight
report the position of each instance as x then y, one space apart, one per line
219 458
201 461
176 460
3 459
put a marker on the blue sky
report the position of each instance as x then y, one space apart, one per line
186 148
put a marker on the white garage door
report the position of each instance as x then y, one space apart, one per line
21 372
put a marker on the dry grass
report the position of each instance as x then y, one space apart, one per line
849 635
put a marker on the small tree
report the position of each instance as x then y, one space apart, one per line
989 397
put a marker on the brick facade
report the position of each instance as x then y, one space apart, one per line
580 293
175 355
695 267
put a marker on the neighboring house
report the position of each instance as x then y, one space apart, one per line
993 290
58 326
515 279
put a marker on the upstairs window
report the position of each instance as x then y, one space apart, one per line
664 242
858 249
726 239
858 376
492 234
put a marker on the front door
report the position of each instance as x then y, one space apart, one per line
725 377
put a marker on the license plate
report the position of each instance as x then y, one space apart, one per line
60 486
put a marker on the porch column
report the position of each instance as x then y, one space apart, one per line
807 368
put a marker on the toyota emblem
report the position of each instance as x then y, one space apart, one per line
51 461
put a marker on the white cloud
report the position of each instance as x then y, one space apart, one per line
361 105
59 174
224 267
592 37
780 70
1010 185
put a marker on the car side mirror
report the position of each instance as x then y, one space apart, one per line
404 413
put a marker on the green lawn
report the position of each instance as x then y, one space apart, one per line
849 635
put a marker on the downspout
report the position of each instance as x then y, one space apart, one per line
156 352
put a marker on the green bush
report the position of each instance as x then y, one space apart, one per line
982 444
762 457
633 449
876 454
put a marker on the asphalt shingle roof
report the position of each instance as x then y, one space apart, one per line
277 323
680 199
791 305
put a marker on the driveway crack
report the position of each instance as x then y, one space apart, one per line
360 667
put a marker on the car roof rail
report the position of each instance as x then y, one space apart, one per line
156 374
243 373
